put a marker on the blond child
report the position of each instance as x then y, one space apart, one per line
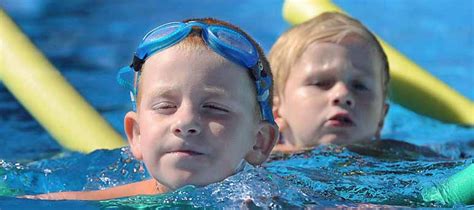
331 82
203 91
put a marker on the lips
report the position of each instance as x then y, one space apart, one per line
187 152
341 120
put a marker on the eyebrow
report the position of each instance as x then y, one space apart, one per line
364 72
160 90
217 91
169 89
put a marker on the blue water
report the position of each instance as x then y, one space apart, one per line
89 40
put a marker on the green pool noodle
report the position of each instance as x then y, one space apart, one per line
457 189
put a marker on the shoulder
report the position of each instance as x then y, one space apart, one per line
284 151
393 149
146 187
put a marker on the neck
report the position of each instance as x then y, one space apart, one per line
286 147
160 188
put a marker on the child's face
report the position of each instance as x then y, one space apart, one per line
196 120
334 94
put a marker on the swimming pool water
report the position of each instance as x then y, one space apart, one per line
324 177
89 40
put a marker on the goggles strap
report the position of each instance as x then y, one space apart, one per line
137 63
134 102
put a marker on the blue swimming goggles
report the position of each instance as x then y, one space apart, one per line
223 40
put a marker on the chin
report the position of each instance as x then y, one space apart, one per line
196 180
340 135
328 139
335 139
179 182
175 179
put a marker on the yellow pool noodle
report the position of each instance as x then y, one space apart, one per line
49 98
411 86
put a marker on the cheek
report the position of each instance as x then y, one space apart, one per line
371 107
148 136
232 144
152 134
304 102
217 129
305 113
227 133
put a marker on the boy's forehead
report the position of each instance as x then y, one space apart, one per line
178 66
198 61
325 54
169 89
173 54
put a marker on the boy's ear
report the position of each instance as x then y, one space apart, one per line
267 136
385 109
132 130
281 122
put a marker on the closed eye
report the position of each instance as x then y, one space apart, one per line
165 107
359 86
323 84
215 107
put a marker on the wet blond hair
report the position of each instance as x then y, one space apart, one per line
327 27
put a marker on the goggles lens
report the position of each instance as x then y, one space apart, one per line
235 45
161 32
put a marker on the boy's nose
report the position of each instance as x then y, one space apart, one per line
186 131
186 125
342 96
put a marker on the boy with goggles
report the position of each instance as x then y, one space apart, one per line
203 94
